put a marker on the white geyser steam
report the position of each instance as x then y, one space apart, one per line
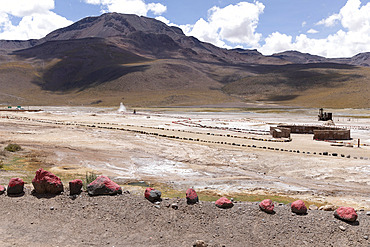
122 108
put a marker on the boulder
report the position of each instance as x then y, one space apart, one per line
223 202
267 206
346 214
152 195
15 186
191 196
47 183
2 189
103 186
75 186
299 207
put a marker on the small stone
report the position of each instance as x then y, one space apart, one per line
2 189
328 207
191 196
152 195
51 208
75 187
174 206
157 206
313 207
157 203
366 237
223 202
267 206
15 186
346 214
200 243
342 228
298 207
368 213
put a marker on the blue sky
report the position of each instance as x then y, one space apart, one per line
331 28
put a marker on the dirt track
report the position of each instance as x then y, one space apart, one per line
131 220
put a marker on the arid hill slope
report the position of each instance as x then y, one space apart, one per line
143 62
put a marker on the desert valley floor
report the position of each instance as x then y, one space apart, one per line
225 153
186 148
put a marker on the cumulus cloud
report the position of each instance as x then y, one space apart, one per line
352 38
37 19
22 8
234 24
138 7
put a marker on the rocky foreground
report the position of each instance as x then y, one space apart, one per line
131 220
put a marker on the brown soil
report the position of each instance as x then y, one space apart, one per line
131 220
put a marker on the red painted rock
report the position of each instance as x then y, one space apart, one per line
267 205
2 189
191 196
346 214
47 183
103 186
75 186
152 195
15 186
223 202
299 207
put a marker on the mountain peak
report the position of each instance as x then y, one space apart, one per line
112 25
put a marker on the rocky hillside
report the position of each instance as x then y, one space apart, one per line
142 61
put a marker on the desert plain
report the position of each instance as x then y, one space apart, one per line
217 151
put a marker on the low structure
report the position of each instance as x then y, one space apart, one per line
332 134
306 129
280 132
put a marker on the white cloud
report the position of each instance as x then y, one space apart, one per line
312 31
37 19
22 8
138 7
330 21
33 26
353 38
235 24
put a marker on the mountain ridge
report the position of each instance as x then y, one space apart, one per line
126 55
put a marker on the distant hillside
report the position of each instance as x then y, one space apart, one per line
115 57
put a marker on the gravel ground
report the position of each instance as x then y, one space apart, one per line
131 220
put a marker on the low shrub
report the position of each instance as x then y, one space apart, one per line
13 148
90 176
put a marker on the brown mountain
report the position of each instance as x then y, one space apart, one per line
143 62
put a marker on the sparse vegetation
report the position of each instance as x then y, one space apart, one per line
90 176
13 147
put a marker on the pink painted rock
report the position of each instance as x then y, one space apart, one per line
75 187
191 196
103 186
299 207
152 195
223 202
47 183
267 205
346 214
2 189
15 186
